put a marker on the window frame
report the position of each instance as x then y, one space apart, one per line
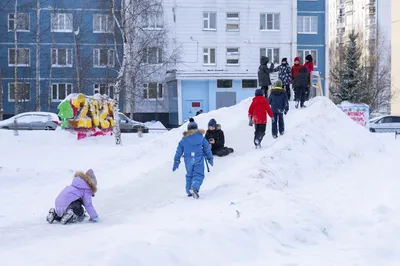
107 18
159 91
66 58
304 18
153 18
209 56
233 56
58 91
109 50
108 87
208 19
57 15
159 55
9 91
303 57
265 14
16 22
273 50
16 59
224 80
251 86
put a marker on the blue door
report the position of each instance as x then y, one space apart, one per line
191 108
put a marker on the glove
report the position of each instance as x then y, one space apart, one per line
94 219
211 161
250 122
285 112
273 119
176 165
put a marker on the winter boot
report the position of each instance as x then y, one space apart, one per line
68 217
195 193
297 104
283 132
51 216
274 136
190 195
257 142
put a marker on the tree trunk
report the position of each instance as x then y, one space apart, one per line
51 70
16 89
38 105
77 63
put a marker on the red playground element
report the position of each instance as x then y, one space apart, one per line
86 133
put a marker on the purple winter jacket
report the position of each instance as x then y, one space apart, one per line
82 187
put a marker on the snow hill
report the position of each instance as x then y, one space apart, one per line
323 194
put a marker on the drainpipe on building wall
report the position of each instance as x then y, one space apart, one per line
326 76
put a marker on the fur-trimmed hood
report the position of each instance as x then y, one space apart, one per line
90 181
191 132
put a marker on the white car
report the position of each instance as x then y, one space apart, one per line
32 121
385 124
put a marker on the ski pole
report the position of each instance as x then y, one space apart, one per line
208 167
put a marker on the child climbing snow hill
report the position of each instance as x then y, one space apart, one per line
278 100
194 148
69 203
258 116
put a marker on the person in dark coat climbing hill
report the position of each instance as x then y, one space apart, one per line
264 79
194 148
300 87
285 75
215 136
279 104
258 116
309 64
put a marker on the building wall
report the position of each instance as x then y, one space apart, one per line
316 42
82 12
395 104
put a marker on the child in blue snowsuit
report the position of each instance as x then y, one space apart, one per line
194 148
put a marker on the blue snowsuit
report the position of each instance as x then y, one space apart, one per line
194 147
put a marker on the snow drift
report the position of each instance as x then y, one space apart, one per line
300 200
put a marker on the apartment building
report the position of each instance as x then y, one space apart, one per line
221 48
50 48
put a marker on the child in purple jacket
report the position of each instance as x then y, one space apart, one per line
69 203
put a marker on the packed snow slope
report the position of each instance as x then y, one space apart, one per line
324 194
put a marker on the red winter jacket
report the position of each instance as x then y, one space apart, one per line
258 110
309 66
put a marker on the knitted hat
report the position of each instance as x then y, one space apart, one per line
90 173
309 58
296 59
278 84
259 92
192 125
212 123
284 59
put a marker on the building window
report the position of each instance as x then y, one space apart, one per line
103 23
60 91
23 57
103 89
103 58
152 91
307 25
232 16
249 83
209 21
224 83
232 23
232 56
153 20
24 91
154 55
19 23
303 53
232 27
61 22
209 56
271 53
270 21
61 57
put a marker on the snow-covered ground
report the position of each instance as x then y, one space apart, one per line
325 193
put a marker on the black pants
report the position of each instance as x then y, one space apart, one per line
259 132
300 95
265 90
224 151
278 121
287 88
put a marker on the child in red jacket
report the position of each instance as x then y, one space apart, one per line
258 116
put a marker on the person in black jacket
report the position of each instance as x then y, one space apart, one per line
215 136
300 85
279 105
264 79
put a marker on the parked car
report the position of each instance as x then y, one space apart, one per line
32 121
128 125
383 124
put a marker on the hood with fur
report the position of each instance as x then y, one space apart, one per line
89 181
191 132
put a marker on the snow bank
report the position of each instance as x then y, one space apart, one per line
157 125
307 198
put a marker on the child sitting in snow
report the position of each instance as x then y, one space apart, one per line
194 147
69 203
215 136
